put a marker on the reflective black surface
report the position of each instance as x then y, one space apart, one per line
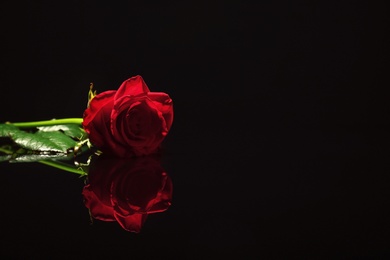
277 149
314 203
126 190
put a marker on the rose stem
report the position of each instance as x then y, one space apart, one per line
62 167
5 151
48 122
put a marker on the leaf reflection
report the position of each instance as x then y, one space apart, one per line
127 190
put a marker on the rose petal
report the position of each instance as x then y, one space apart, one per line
142 128
132 223
163 199
133 86
164 104
97 208
97 123
101 101
96 120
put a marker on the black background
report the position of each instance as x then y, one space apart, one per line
277 148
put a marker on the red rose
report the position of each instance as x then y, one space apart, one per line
131 121
127 190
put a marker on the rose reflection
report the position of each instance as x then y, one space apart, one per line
127 190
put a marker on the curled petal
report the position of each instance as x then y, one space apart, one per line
132 223
164 104
134 86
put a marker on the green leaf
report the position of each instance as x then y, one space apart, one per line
40 142
72 130
44 141
4 158
38 157
6 130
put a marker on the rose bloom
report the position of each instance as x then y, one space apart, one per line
130 121
127 190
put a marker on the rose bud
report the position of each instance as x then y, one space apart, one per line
130 121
